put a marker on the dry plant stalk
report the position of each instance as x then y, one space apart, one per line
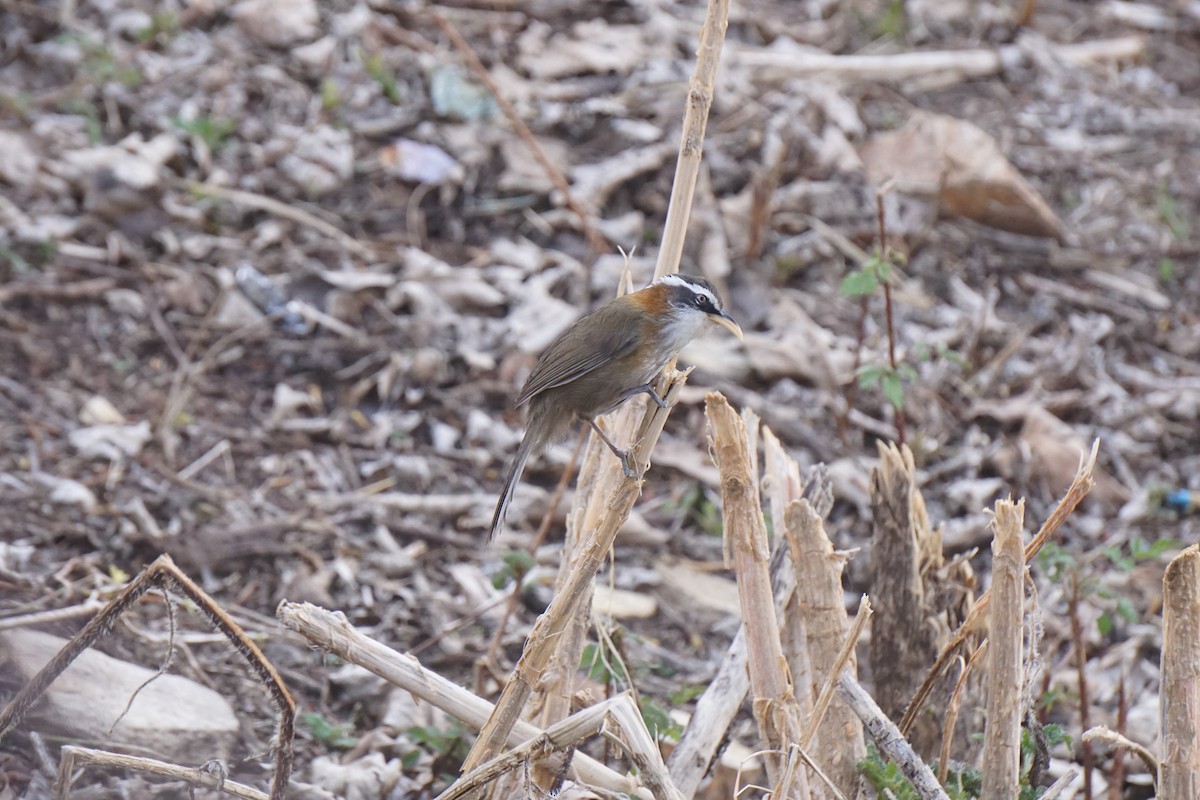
717 707
840 745
691 143
887 737
612 495
1103 733
781 483
73 757
842 662
1080 486
1179 698
775 708
548 629
946 67
909 630
573 731
952 709
163 574
722 700
280 209
1002 735
594 238
797 754
331 632
1059 786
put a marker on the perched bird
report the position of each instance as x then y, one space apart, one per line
604 359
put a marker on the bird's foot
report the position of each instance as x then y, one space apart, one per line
656 398
645 388
627 465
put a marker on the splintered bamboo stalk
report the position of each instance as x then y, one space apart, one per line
887 737
839 736
1179 698
331 632
1080 486
732 442
602 482
909 630
548 630
1002 737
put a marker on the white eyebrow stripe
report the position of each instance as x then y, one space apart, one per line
678 280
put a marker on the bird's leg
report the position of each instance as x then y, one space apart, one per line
645 388
623 455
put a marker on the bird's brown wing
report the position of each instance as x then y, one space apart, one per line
563 363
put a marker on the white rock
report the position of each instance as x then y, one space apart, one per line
67 492
18 161
443 436
129 23
176 718
289 402
46 228
278 23
110 442
353 22
321 160
236 311
419 162
126 302
364 778
99 410
317 57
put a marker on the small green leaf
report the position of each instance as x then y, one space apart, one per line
598 669
1105 623
329 734
658 720
869 376
893 389
1166 270
686 694
859 283
519 561
884 271
1158 548
1126 611
331 96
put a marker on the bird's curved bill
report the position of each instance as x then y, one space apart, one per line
726 322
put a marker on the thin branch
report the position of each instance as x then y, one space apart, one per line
594 238
163 574
1080 486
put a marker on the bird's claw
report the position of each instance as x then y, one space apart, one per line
627 465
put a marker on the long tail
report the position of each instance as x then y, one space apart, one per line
510 485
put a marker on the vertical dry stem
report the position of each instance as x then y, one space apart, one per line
722 700
1079 656
887 737
548 630
691 144
603 478
1002 737
746 542
1080 486
840 742
908 627
1179 769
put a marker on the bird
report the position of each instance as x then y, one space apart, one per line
605 358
